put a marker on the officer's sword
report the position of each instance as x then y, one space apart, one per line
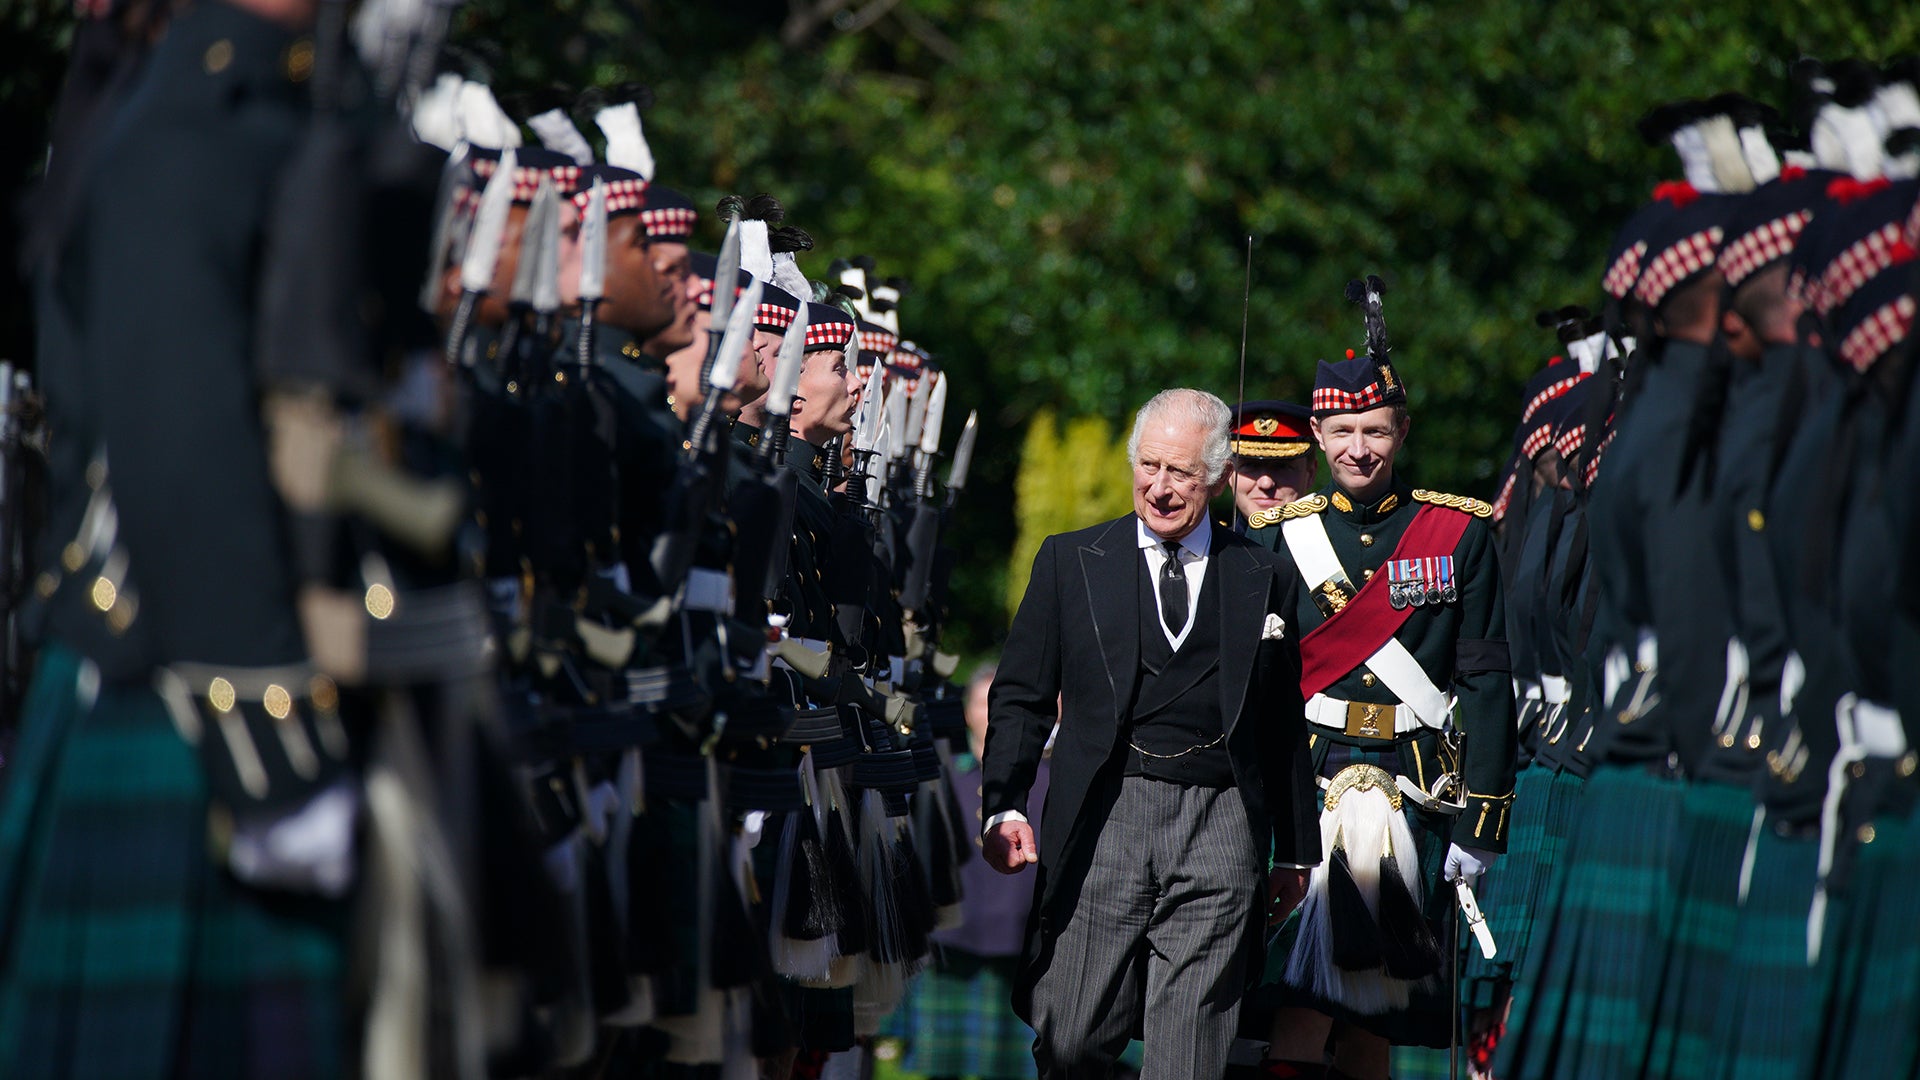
1246 306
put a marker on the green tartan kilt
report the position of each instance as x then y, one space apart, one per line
1508 892
1869 969
1770 988
126 952
1534 1019
1584 1006
1719 819
957 1020
1426 1019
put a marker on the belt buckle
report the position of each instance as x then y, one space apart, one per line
1366 721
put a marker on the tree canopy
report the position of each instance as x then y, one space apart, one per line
1069 187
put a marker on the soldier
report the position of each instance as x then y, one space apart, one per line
1411 711
177 575
1273 462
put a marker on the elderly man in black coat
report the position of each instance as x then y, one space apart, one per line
1182 792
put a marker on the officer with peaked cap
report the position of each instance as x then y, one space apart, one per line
1273 461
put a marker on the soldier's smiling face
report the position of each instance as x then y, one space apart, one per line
1170 488
1360 448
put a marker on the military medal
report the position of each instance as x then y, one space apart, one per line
1449 592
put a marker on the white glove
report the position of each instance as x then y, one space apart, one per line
1467 863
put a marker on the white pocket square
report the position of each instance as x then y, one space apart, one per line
1275 628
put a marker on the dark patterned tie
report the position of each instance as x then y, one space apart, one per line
1173 590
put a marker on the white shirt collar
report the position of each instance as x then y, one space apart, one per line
1197 543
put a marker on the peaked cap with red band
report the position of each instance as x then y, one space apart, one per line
1271 429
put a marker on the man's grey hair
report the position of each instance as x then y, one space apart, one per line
1188 407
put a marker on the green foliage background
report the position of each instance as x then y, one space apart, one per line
1069 187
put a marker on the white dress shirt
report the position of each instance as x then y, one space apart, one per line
1194 549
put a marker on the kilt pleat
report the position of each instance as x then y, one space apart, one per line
1718 820
1621 893
1583 1006
1539 993
126 951
1770 988
1870 963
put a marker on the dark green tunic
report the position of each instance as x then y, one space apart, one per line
1363 538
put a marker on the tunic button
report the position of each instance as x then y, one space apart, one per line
1366 575
1366 539
1368 679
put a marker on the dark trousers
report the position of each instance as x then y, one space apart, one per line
1157 938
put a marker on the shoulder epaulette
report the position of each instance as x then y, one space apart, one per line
1274 515
1462 503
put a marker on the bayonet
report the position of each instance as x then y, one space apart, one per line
930 429
726 278
546 251
483 251
593 268
963 456
780 391
526 269
725 369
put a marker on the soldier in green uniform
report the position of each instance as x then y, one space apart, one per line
1662 608
1273 463
130 944
1405 669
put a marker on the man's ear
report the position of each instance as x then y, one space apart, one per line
1319 440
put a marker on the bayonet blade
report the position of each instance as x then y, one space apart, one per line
726 365
866 422
526 270
897 406
489 225
963 453
786 373
930 428
593 244
726 275
546 247
917 408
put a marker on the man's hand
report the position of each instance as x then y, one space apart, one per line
1286 887
1009 847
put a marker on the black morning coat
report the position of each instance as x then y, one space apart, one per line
1076 639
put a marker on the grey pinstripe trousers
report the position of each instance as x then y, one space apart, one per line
1156 938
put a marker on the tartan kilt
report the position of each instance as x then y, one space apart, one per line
1719 819
125 950
957 1019
1584 1004
1770 988
1508 894
1534 1016
1426 1019
1869 968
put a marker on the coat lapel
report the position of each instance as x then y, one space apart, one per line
1245 583
1113 584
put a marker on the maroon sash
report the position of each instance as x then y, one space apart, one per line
1353 634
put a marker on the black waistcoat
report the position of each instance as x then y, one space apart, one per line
1176 699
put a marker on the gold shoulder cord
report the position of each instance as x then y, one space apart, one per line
1462 503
